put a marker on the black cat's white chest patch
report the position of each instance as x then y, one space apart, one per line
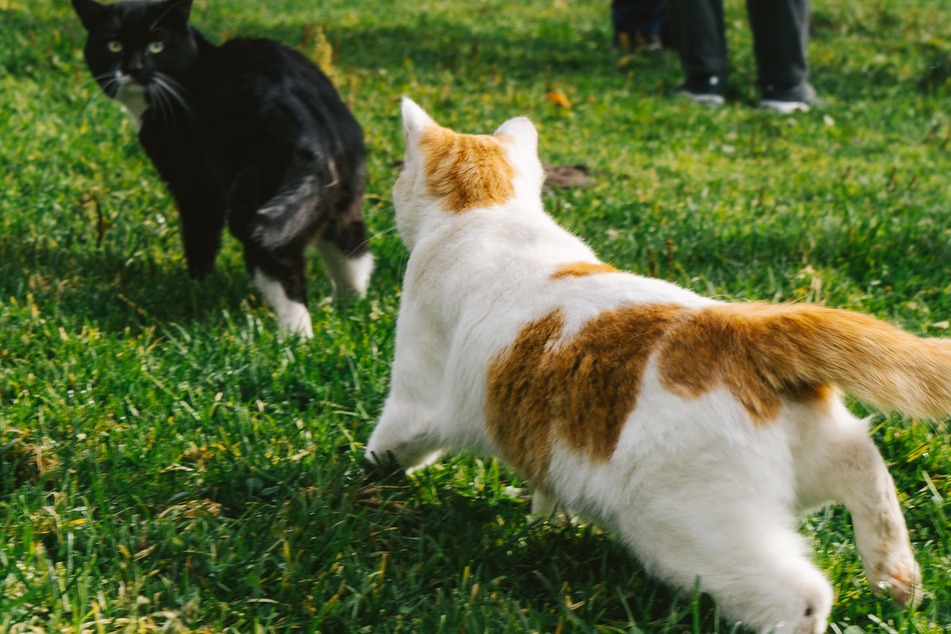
131 94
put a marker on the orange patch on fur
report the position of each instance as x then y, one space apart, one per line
882 365
711 349
467 171
756 351
768 353
580 269
580 390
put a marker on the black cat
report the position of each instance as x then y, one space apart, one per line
250 132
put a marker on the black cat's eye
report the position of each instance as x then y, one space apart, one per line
114 46
157 46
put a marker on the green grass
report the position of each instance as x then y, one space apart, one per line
167 462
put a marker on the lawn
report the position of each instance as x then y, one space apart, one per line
167 462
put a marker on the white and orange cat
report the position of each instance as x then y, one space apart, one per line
695 429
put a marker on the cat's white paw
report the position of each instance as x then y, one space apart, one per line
811 619
350 274
291 316
900 580
394 439
402 456
297 322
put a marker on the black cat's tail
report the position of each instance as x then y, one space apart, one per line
309 184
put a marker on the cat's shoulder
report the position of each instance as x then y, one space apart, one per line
261 51
265 61
253 46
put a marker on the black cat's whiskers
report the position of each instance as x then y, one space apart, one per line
104 84
160 103
104 81
175 89
166 95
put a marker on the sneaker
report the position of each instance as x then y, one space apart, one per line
703 90
638 42
788 100
651 42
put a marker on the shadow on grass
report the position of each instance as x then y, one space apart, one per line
357 545
553 573
113 291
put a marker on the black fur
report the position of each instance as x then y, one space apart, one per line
250 132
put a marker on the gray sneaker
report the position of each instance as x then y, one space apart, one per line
788 100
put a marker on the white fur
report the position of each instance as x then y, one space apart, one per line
695 488
350 274
291 315
131 94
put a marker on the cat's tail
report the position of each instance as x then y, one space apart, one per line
879 364
286 215
767 353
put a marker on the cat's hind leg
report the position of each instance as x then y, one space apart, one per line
757 568
343 247
729 524
350 273
280 278
277 272
839 461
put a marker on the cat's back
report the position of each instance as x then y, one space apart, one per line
254 81
259 60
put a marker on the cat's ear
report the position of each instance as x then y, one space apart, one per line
177 10
523 131
415 122
90 13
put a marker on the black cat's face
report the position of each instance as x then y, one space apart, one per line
138 51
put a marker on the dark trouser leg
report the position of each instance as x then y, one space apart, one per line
698 29
780 31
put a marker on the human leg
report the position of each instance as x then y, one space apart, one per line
638 23
698 28
780 33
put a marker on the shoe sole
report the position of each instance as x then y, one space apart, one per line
784 107
703 99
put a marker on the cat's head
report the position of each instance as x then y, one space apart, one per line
445 172
143 48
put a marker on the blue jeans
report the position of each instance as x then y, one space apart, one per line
646 17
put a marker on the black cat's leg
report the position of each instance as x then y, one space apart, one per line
181 161
278 273
344 249
202 222
280 276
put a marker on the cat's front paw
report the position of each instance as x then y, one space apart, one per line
900 580
383 468
407 445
